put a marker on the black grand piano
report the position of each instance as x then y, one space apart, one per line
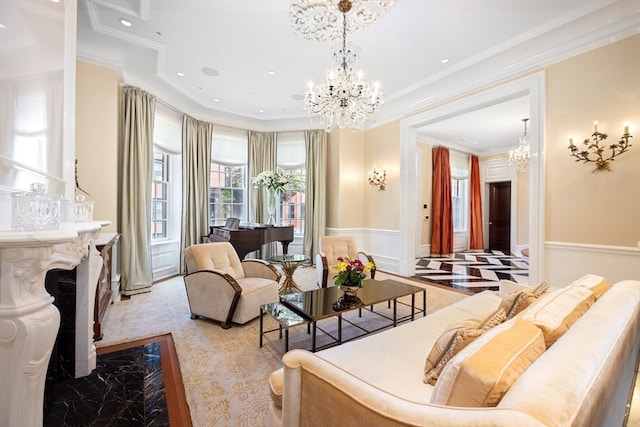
246 238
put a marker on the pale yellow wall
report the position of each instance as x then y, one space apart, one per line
382 149
97 98
345 179
426 181
581 206
333 180
522 208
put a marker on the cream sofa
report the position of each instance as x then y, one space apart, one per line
583 379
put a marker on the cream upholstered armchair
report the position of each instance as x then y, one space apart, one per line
331 248
221 287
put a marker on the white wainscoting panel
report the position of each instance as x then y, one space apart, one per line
165 259
567 262
382 245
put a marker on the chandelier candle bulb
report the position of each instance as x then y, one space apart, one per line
595 126
626 128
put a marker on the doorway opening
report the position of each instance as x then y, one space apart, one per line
500 216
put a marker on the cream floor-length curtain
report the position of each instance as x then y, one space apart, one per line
315 193
135 172
262 157
196 165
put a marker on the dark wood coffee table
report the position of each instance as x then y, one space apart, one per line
324 303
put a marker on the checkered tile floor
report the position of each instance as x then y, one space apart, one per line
473 271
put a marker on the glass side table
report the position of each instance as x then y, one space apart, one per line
285 318
289 264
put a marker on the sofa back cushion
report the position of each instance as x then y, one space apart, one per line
483 371
597 284
456 337
219 256
516 301
557 311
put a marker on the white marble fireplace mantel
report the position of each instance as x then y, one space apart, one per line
29 322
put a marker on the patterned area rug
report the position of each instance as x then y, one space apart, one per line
224 372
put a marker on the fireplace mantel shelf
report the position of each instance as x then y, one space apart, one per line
29 322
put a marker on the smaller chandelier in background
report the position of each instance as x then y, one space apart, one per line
593 152
321 20
519 158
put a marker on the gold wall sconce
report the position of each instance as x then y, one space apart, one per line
594 150
378 179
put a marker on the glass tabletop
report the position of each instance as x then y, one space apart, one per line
289 258
319 303
282 314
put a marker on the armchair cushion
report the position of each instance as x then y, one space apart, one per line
219 256
332 248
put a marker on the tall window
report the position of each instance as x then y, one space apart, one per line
167 172
160 197
291 159
459 190
226 192
228 176
459 202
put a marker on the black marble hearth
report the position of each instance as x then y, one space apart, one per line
126 389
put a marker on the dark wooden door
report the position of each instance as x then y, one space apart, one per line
500 216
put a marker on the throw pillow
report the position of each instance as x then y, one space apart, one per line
557 311
481 374
456 337
597 284
516 301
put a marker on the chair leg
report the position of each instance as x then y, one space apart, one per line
193 316
225 325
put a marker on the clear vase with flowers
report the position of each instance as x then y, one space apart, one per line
276 183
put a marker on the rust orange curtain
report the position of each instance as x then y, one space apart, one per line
476 237
442 224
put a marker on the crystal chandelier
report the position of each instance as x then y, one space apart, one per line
519 158
319 20
344 99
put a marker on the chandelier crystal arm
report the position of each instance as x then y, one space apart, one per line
344 99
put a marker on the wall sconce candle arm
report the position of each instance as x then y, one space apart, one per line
378 179
594 150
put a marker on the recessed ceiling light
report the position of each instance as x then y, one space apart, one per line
125 22
262 111
475 142
444 60
271 73
216 99
180 74
212 72
3 27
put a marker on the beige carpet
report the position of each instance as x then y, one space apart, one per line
224 371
